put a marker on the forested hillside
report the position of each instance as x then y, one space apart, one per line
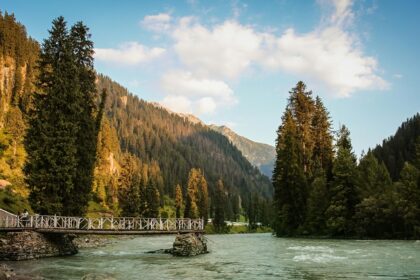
400 148
153 133
18 55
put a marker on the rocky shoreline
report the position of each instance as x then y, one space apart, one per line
7 273
27 245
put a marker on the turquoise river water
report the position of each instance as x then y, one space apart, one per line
247 256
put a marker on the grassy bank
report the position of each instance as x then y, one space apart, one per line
209 229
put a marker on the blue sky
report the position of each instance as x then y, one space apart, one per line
233 62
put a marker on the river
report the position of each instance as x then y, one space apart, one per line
247 256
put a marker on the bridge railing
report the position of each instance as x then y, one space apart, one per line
8 219
103 223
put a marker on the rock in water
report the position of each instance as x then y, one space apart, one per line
189 244
26 245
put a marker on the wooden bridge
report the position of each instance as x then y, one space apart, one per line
104 225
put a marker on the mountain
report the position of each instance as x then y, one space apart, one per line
259 154
400 147
178 143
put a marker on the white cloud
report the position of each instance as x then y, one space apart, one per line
206 105
130 53
197 95
158 23
211 56
179 104
186 84
398 76
329 55
342 13
224 51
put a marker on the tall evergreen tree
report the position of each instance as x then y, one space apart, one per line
373 177
203 199
302 107
317 204
288 179
152 199
62 137
51 141
343 191
408 192
88 117
322 156
129 187
178 200
219 209
191 208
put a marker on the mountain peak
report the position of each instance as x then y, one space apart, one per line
259 154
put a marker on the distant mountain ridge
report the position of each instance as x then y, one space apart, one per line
259 154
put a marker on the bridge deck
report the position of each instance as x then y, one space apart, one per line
103 225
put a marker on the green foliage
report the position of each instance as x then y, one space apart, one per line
194 181
13 202
318 193
343 193
219 211
317 205
130 187
408 190
61 139
400 148
178 200
288 179
304 149
152 198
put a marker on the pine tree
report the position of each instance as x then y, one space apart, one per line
62 138
219 210
322 156
191 208
409 199
129 187
374 212
373 177
51 141
178 200
301 105
317 204
89 124
203 199
152 199
288 179
344 197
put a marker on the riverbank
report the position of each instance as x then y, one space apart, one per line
97 241
242 229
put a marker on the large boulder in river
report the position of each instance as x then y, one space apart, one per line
26 245
189 244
